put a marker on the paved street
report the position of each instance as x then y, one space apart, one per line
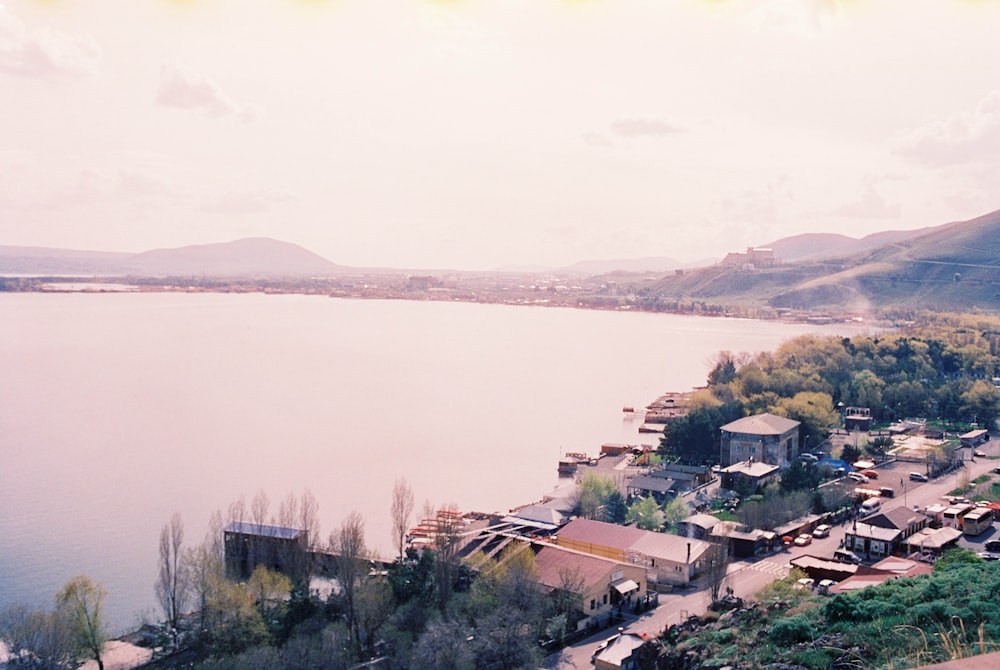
748 577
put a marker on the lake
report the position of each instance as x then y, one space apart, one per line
118 410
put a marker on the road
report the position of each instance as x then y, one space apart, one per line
749 576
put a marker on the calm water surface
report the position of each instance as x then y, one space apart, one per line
118 410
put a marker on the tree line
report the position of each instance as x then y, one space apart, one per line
944 375
428 608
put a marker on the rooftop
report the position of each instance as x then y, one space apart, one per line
559 567
761 424
262 530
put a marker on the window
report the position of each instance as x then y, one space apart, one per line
593 603
605 598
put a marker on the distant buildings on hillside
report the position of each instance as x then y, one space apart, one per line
753 257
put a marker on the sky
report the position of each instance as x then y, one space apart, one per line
479 134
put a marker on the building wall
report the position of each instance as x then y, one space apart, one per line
778 450
606 600
593 549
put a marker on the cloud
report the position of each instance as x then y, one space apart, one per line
45 53
962 137
183 91
643 127
870 205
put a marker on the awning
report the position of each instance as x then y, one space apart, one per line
625 587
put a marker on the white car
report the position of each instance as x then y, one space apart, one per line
822 530
858 477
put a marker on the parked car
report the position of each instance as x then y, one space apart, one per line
825 585
803 539
917 477
886 491
988 556
846 556
822 530
870 474
808 458
858 477
979 454
992 545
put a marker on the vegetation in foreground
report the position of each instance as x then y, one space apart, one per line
902 623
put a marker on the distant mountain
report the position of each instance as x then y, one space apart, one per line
833 245
254 256
261 257
955 266
42 260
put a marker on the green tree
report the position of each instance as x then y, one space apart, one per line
694 439
645 514
724 370
507 636
800 476
593 495
982 401
675 511
270 590
81 601
866 390
233 620
956 557
615 507
815 411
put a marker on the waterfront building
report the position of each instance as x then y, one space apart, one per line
762 438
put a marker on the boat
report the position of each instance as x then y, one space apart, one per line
568 466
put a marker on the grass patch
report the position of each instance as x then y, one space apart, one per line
814 659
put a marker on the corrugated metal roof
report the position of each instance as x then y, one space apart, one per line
598 532
556 565
262 530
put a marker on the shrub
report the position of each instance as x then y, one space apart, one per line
792 629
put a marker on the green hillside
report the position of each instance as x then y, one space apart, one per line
954 267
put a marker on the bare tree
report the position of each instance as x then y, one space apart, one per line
715 567
205 570
81 600
401 509
447 539
258 514
259 508
288 511
309 518
172 584
45 636
567 596
351 558
213 535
